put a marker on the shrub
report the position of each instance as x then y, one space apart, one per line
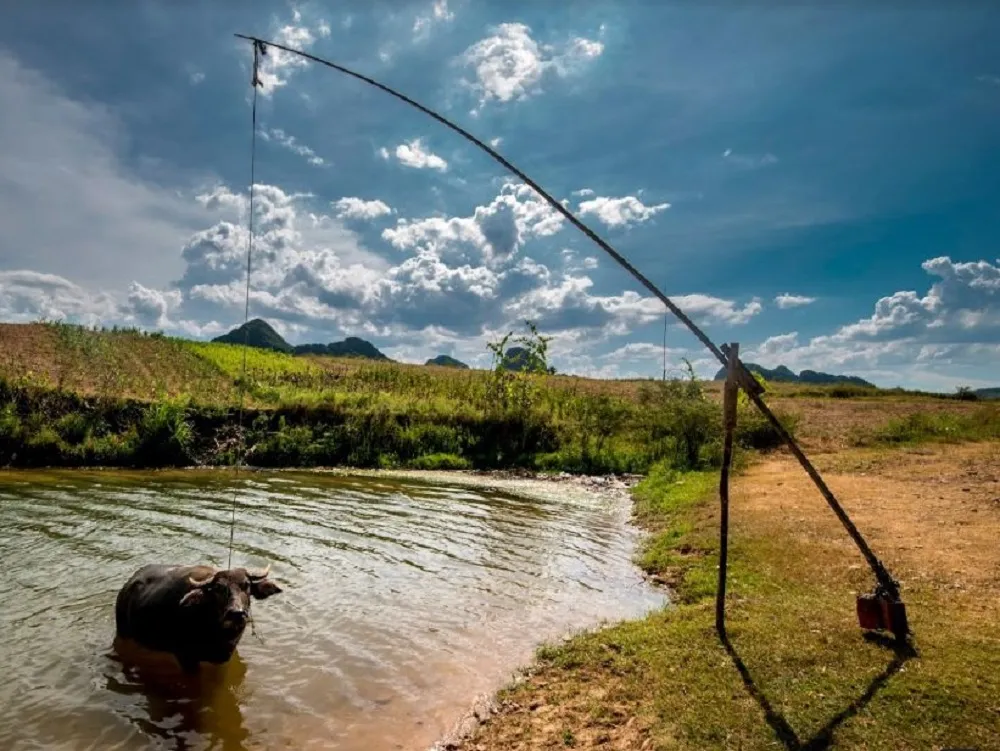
73 428
164 436
439 462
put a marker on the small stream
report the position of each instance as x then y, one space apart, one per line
402 601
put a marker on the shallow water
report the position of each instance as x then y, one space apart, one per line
401 602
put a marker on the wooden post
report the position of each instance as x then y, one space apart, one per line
731 392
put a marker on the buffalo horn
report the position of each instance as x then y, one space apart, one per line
257 573
200 582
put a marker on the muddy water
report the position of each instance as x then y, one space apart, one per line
402 600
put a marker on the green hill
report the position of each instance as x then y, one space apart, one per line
447 361
263 336
258 333
352 346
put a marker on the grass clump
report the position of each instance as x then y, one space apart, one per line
923 427
439 462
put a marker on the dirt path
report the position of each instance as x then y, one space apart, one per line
931 514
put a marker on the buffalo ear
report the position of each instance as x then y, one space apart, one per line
263 588
194 597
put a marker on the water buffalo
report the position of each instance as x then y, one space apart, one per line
196 613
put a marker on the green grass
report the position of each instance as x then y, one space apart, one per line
311 411
923 427
321 411
664 501
262 364
439 462
795 647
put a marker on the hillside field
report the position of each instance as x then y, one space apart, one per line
75 396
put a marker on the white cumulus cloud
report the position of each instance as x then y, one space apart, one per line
955 323
350 207
620 212
497 230
69 205
29 295
436 14
793 301
413 154
277 66
511 65
641 351
152 307
781 343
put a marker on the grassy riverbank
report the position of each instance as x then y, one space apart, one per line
71 396
797 672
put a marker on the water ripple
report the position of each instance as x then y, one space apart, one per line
401 601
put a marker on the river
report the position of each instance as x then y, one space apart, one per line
402 601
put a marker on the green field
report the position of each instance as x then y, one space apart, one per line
76 396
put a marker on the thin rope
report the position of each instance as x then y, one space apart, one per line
257 48
747 381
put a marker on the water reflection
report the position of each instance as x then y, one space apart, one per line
401 601
188 710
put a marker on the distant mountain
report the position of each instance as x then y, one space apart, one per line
991 393
352 346
785 375
812 376
263 336
257 333
446 361
311 349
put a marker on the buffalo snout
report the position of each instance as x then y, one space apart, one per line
236 617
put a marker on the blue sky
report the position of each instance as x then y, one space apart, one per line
819 184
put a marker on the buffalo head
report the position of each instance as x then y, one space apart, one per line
223 597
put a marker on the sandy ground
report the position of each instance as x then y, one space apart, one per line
932 513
